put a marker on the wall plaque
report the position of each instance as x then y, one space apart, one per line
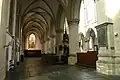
102 34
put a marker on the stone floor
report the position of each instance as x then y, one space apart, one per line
33 69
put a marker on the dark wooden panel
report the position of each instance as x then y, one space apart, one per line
87 59
64 59
32 53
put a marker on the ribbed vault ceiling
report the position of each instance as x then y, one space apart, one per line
37 15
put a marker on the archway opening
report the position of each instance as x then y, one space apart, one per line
31 41
32 45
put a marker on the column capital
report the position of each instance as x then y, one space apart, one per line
43 41
48 38
53 36
73 21
59 30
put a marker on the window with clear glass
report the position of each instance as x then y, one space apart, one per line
32 41
66 26
87 15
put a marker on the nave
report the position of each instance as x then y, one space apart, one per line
33 69
69 32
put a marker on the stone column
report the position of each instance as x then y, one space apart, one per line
13 30
48 45
59 38
38 43
106 53
21 54
73 41
18 54
45 47
21 47
53 44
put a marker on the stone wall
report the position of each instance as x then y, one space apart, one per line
109 59
4 6
116 26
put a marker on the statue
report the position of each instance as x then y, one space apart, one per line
65 44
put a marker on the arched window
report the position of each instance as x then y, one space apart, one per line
87 15
90 12
66 26
82 19
31 41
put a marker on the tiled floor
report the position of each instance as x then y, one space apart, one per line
32 69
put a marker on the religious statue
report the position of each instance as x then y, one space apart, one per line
65 44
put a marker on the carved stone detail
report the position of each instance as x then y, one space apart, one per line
48 38
73 21
53 36
43 41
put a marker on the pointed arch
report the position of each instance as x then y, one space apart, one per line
90 33
91 38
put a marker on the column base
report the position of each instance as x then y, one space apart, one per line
117 65
22 58
108 67
72 59
105 67
17 63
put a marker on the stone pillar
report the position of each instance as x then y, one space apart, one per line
45 46
53 44
13 34
18 54
106 53
73 41
59 38
38 43
21 47
48 45
21 54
